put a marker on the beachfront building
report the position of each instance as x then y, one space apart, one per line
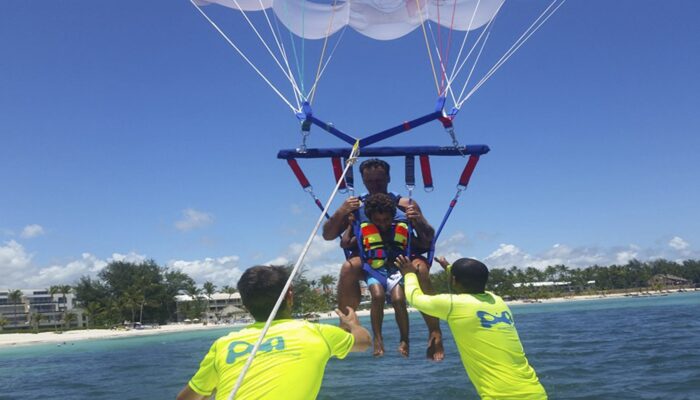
666 280
220 307
38 308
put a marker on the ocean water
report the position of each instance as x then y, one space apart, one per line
628 348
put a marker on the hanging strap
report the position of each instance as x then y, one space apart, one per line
338 172
304 182
426 173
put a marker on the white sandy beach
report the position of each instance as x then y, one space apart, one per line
21 339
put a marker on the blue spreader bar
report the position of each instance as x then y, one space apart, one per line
478 149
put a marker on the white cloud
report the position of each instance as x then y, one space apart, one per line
323 257
508 255
88 264
14 263
32 231
221 271
678 243
193 219
295 209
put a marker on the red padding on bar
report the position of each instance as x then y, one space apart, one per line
425 171
406 126
468 170
446 122
298 173
338 171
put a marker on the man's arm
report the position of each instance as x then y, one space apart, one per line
339 220
188 394
438 306
361 335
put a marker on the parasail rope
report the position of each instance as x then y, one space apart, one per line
427 46
245 58
288 76
456 71
328 60
349 162
471 70
323 52
464 41
449 43
439 57
294 51
283 52
546 14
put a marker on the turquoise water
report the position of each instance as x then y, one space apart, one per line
629 348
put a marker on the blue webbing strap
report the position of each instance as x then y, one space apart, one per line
410 184
461 186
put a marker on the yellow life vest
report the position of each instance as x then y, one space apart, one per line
375 250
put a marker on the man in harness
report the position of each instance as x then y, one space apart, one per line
376 177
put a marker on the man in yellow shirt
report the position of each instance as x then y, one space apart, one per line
292 357
483 328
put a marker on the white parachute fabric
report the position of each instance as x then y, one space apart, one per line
377 19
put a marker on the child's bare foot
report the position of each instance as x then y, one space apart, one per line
435 350
378 347
403 348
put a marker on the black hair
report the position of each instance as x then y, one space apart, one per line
260 287
379 203
471 274
374 163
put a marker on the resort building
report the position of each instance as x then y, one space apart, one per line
665 280
220 307
38 308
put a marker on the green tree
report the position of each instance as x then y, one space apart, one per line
35 319
15 297
3 322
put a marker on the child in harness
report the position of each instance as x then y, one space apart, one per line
383 237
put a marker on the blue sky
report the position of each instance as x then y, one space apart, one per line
131 130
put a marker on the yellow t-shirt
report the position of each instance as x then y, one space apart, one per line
484 330
288 365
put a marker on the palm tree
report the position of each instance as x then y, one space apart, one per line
68 317
91 310
35 319
230 291
209 289
15 296
54 290
327 281
3 322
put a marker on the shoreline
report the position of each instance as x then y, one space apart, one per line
13 340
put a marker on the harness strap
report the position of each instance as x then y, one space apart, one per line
338 172
426 172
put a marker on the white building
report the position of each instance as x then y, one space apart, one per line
38 303
222 307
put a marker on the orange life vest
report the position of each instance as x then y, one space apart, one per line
376 251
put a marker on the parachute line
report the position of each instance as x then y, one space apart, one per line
244 57
427 46
312 93
328 60
297 266
546 14
283 52
252 26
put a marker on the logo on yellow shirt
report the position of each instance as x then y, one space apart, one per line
488 320
240 348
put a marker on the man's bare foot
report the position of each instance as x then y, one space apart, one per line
435 350
403 348
378 347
